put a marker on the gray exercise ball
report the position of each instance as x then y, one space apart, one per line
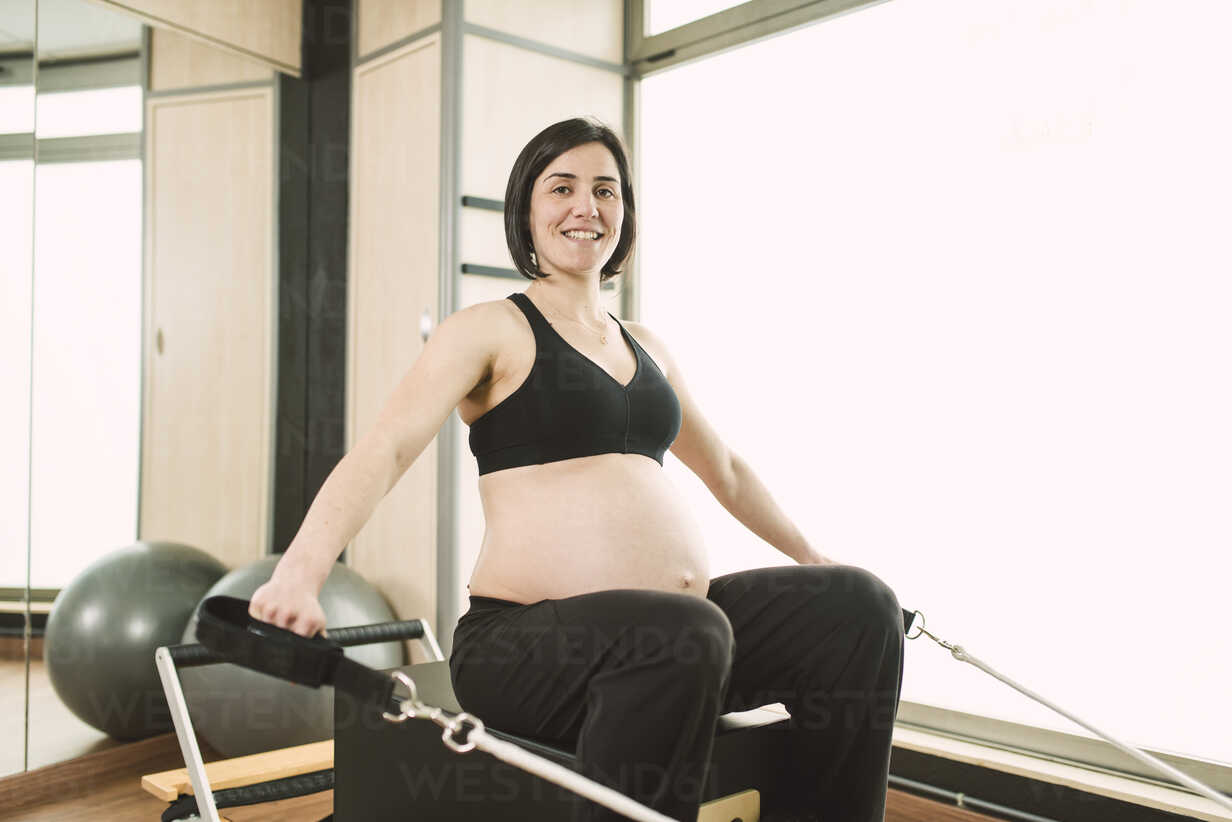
105 625
239 711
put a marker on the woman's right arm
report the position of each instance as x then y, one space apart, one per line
456 357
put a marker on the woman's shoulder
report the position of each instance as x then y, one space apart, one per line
487 313
488 324
498 323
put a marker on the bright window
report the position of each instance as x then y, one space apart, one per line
87 365
16 206
16 110
663 15
95 111
965 310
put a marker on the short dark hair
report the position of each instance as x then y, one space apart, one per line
543 148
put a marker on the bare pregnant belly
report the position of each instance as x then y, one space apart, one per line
587 524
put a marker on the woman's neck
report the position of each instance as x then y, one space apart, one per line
578 301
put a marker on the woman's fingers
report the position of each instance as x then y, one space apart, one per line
273 615
305 626
260 607
289 609
288 620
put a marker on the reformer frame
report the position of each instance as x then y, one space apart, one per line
170 658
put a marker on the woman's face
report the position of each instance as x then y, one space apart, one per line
580 189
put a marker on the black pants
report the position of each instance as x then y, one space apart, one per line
637 679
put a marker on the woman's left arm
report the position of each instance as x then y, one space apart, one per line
749 501
728 477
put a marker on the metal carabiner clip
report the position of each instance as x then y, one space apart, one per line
920 625
454 725
406 708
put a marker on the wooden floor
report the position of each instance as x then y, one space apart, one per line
117 801
13 718
107 785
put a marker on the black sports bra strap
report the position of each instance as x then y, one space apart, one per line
537 321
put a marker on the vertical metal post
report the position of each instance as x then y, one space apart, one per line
184 733
449 279
630 298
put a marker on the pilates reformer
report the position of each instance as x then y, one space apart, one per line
747 756
200 790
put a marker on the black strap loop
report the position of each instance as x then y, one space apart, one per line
226 628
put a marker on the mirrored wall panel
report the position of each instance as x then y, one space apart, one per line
16 259
84 321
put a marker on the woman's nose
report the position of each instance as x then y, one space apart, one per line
586 206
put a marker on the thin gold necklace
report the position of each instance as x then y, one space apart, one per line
602 335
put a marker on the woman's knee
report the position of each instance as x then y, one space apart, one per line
865 595
686 630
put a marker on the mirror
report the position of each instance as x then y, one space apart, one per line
16 253
83 323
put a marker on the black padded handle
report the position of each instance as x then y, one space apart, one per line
194 654
377 632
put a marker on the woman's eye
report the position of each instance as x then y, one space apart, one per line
611 194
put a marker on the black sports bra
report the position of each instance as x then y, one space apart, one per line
569 407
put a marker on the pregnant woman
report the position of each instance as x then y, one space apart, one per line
593 618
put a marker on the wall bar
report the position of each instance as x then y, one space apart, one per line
481 202
513 274
17 146
95 148
110 71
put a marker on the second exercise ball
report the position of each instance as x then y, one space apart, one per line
239 711
105 625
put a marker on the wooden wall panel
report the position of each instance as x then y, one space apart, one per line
265 30
207 400
594 28
382 22
179 61
393 272
499 116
